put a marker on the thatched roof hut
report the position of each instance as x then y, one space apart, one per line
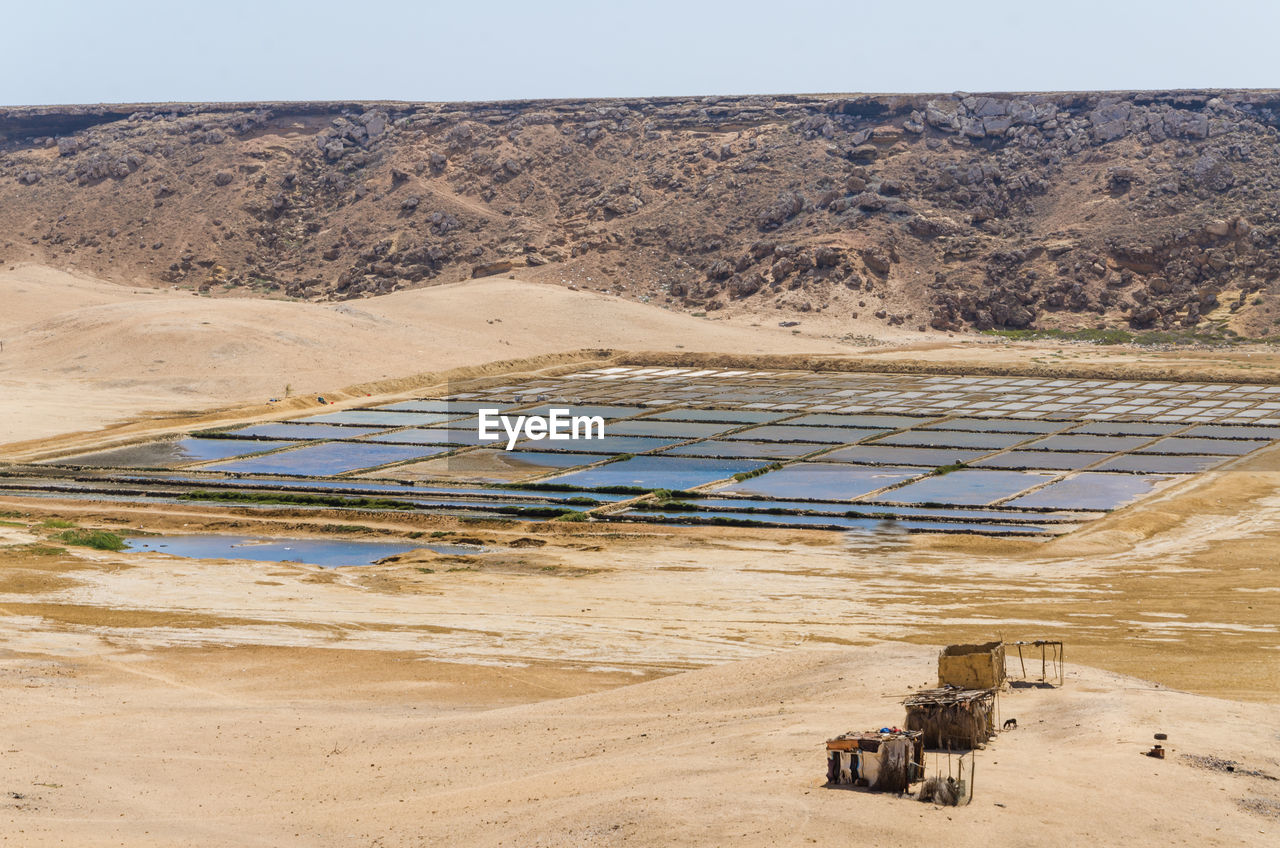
952 718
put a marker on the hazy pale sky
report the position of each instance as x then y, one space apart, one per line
141 50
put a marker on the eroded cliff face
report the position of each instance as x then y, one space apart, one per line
1136 209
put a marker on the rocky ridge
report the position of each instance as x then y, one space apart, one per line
1136 209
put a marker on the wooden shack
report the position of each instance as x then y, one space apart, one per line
952 718
886 760
972 666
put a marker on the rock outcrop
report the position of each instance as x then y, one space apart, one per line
1141 209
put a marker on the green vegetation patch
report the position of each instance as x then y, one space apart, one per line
103 540
344 528
290 499
538 511
40 550
663 495
1216 336
747 475
667 506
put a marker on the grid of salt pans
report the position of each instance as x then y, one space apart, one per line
994 397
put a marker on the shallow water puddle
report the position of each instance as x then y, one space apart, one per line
753 450
822 481
731 416
327 458
322 552
653 472
1091 490
170 453
970 487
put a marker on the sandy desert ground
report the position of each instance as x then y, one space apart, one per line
597 685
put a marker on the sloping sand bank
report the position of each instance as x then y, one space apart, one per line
80 353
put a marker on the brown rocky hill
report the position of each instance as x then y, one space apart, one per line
1134 209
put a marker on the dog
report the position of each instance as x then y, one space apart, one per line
1011 724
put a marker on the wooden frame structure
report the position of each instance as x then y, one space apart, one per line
1052 664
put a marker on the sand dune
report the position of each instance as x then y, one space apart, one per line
80 353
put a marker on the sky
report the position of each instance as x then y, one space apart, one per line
132 51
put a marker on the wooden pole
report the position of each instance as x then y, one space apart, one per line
973 762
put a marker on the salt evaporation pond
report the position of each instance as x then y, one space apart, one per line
326 553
